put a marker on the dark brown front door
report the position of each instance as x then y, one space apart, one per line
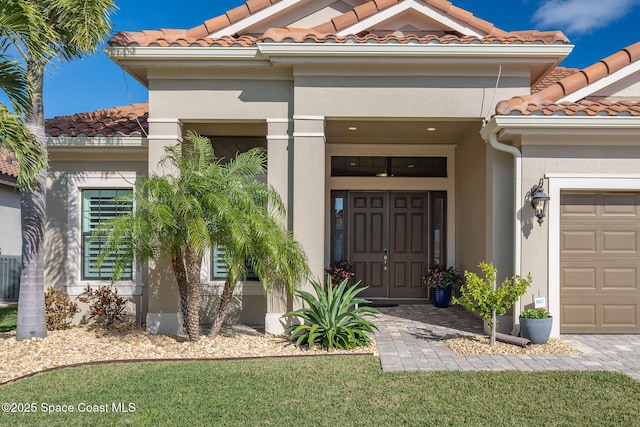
388 244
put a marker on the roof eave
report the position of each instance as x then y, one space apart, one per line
509 125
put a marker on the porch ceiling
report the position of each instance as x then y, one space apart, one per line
423 131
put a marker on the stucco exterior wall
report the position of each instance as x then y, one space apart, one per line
397 95
471 200
10 231
220 99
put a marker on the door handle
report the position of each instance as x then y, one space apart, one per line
385 260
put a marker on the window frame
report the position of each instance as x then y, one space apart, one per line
76 183
87 234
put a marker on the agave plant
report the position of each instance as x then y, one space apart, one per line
335 317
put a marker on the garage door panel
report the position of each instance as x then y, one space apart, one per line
578 241
578 278
620 204
578 315
599 262
619 241
619 315
625 279
581 205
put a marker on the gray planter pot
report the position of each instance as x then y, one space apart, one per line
536 330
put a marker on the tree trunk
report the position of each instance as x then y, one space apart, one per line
493 327
193 265
223 309
180 272
31 319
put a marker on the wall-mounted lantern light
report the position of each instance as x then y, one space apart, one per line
539 200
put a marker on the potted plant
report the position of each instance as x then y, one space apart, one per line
535 325
441 280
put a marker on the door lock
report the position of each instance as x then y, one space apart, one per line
385 260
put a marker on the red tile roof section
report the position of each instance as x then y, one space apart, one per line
8 163
301 35
540 102
553 77
368 9
198 36
117 121
232 16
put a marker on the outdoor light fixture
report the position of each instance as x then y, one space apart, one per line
539 200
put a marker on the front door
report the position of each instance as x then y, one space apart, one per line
392 237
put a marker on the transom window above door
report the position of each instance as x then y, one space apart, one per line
381 166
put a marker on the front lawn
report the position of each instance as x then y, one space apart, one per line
8 318
318 391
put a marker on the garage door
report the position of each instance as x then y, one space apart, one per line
599 263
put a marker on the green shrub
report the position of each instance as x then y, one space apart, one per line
105 305
535 313
59 309
482 296
334 318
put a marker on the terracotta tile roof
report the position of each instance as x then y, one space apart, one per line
583 108
198 36
117 121
553 77
302 35
8 163
370 8
540 102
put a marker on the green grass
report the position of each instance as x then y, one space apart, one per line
8 318
323 391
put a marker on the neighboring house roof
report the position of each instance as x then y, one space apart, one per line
130 120
8 166
545 101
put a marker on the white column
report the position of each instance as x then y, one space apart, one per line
279 141
164 315
309 183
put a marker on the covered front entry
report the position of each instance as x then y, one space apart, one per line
391 237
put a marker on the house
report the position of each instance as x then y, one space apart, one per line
399 134
10 235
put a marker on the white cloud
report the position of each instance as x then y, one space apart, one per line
580 16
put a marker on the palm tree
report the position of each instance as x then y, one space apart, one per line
207 203
15 23
68 29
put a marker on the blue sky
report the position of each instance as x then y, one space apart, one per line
598 28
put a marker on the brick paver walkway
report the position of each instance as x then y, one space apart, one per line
410 339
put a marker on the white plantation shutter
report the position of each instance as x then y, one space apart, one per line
100 205
220 268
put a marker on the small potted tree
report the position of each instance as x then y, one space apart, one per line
535 325
441 280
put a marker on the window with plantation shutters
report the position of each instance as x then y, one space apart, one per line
220 268
99 205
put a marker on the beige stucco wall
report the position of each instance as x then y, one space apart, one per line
10 231
471 199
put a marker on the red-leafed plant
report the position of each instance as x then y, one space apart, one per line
59 309
105 305
340 271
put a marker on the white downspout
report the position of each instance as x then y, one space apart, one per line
517 240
